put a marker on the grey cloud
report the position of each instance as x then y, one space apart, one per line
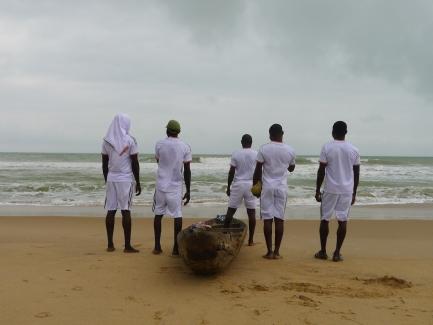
390 40
210 22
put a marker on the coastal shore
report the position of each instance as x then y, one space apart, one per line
422 211
56 271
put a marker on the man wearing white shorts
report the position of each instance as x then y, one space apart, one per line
121 173
339 167
174 158
274 160
240 180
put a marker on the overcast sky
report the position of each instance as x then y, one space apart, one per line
222 68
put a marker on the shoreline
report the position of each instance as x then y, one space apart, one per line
422 211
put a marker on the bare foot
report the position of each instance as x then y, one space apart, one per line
157 251
175 252
130 249
251 243
277 256
269 256
337 257
110 249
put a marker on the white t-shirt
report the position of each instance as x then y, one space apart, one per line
276 158
244 160
340 157
171 154
119 167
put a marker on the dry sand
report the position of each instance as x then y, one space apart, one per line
56 271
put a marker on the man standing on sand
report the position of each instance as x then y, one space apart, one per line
273 161
120 168
240 180
173 157
339 167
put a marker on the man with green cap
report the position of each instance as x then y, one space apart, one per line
173 157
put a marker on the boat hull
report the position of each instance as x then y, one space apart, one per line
209 251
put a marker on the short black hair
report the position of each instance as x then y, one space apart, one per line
247 140
276 130
339 128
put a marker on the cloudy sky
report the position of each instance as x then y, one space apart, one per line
222 68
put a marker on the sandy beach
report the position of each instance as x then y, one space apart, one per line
56 271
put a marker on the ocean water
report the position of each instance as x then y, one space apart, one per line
76 180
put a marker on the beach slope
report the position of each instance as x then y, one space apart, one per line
55 271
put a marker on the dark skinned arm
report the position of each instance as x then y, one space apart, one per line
136 171
356 169
187 179
257 173
320 177
230 178
105 166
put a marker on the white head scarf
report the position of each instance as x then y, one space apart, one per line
118 133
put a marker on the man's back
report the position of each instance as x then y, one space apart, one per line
171 154
244 160
339 156
276 158
119 166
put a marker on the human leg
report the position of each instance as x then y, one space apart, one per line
342 210
109 225
159 208
229 216
279 231
251 225
177 229
267 230
341 235
126 223
157 232
327 208
323 231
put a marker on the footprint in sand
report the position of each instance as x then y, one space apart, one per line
228 291
157 315
303 300
43 314
131 299
259 287
258 312
389 281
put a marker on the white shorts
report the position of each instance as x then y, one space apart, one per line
242 191
338 203
119 195
273 203
168 203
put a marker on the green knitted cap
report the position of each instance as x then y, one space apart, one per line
174 126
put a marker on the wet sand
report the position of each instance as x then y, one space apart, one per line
56 271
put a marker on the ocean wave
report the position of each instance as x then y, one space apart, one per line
76 179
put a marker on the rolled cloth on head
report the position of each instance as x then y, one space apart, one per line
118 133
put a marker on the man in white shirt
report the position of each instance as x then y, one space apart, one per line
174 158
121 173
274 160
239 182
339 167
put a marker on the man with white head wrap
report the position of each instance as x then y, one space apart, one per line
121 171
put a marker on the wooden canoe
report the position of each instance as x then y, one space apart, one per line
208 250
